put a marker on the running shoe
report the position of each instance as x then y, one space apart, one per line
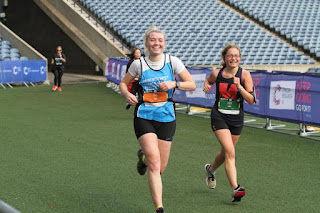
54 88
238 193
161 210
210 179
141 166
59 89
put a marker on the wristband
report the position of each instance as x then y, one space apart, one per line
177 84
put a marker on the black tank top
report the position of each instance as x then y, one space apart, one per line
225 88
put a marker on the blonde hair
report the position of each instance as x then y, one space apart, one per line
152 29
225 50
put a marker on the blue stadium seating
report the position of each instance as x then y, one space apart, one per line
7 53
314 70
297 21
198 30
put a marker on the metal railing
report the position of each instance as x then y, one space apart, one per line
6 208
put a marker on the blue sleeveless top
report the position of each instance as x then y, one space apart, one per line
149 80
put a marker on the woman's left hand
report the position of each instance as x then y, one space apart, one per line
236 81
166 85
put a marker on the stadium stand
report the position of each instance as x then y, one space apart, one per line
314 70
195 30
7 53
296 21
17 69
12 47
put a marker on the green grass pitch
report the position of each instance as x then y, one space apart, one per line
75 151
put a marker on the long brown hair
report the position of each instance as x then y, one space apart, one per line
133 49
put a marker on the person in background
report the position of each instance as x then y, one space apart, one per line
58 60
134 87
233 85
154 118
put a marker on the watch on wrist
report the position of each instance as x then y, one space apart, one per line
177 84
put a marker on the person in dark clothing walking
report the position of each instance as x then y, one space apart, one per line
58 60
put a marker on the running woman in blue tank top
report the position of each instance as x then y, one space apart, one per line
233 85
154 120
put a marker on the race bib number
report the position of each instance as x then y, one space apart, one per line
155 97
229 106
58 62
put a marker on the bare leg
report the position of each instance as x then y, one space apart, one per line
157 154
227 155
164 148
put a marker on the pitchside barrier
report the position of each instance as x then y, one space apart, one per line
285 96
6 208
24 71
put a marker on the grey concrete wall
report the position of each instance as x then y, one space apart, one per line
97 45
16 42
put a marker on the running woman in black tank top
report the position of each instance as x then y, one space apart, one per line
58 60
233 85
229 102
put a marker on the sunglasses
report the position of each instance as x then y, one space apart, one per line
59 50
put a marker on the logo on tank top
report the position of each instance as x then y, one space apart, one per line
228 90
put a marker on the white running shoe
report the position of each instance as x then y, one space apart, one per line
210 179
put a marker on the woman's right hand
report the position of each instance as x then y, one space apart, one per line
131 99
207 86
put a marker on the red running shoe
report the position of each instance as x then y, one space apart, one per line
59 89
54 88
238 193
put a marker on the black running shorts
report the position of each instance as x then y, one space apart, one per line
217 124
164 130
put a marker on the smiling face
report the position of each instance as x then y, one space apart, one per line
155 43
232 58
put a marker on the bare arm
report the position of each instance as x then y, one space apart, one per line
186 84
131 99
248 84
63 59
210 80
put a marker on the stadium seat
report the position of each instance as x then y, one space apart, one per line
6 52
24 58
277 15
187 31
